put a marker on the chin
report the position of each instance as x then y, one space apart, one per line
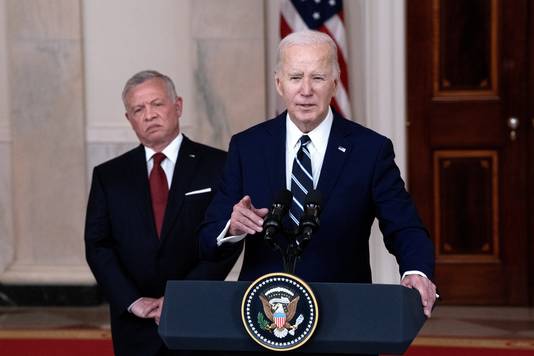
309 118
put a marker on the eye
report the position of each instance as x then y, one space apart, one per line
294 77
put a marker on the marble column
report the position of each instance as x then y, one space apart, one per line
47 155
6 217
229 60
229 68
385 101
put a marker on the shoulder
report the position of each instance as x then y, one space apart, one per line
123 160
202 150
263 130
357 132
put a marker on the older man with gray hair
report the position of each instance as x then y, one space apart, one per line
310 146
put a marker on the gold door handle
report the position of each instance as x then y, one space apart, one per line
513 124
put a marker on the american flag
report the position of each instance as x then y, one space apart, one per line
325 16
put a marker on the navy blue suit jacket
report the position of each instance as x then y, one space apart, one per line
122 248
359 181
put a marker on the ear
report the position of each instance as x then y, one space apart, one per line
179 104
278 84
336 82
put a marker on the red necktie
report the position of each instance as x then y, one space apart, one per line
159 190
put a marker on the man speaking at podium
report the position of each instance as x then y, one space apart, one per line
312 147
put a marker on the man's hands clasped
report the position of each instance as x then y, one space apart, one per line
148 308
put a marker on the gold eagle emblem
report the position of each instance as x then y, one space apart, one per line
281 315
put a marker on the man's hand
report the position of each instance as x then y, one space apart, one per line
145 307
156 313
426 288
246 219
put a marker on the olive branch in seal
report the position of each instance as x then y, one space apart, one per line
264 324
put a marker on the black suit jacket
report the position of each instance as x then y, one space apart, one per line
359 182
122 247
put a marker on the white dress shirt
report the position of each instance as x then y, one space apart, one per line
316 147
171 154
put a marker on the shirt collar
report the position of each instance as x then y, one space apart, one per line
171 151
318 135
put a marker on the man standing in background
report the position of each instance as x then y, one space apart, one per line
143 213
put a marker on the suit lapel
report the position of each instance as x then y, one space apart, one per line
184 171
275 154
141 185
337 152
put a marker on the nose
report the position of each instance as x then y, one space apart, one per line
149 112
306 88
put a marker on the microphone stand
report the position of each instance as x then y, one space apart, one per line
294 249
292 252
309 222
289 258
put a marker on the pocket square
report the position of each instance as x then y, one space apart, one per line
199 191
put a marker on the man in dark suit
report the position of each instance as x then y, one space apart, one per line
143 214
311 146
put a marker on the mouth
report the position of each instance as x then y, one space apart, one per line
152 128
306 106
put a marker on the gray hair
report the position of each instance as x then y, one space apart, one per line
143 76
308 37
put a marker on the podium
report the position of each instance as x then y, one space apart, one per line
353 318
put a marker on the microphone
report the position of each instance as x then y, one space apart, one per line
309 221
273 222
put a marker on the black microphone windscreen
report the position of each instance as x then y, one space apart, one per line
284 197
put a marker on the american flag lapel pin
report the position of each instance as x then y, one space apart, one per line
341 148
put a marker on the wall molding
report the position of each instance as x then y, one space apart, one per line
35 274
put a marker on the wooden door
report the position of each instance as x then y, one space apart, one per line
530 157
468 166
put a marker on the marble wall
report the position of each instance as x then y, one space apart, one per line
7 241
65 115
6 217
47 152
122 38
229 67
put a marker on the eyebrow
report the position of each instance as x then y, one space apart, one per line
150 102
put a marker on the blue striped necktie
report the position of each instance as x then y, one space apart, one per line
301 180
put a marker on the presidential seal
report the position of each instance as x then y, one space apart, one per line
279 311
